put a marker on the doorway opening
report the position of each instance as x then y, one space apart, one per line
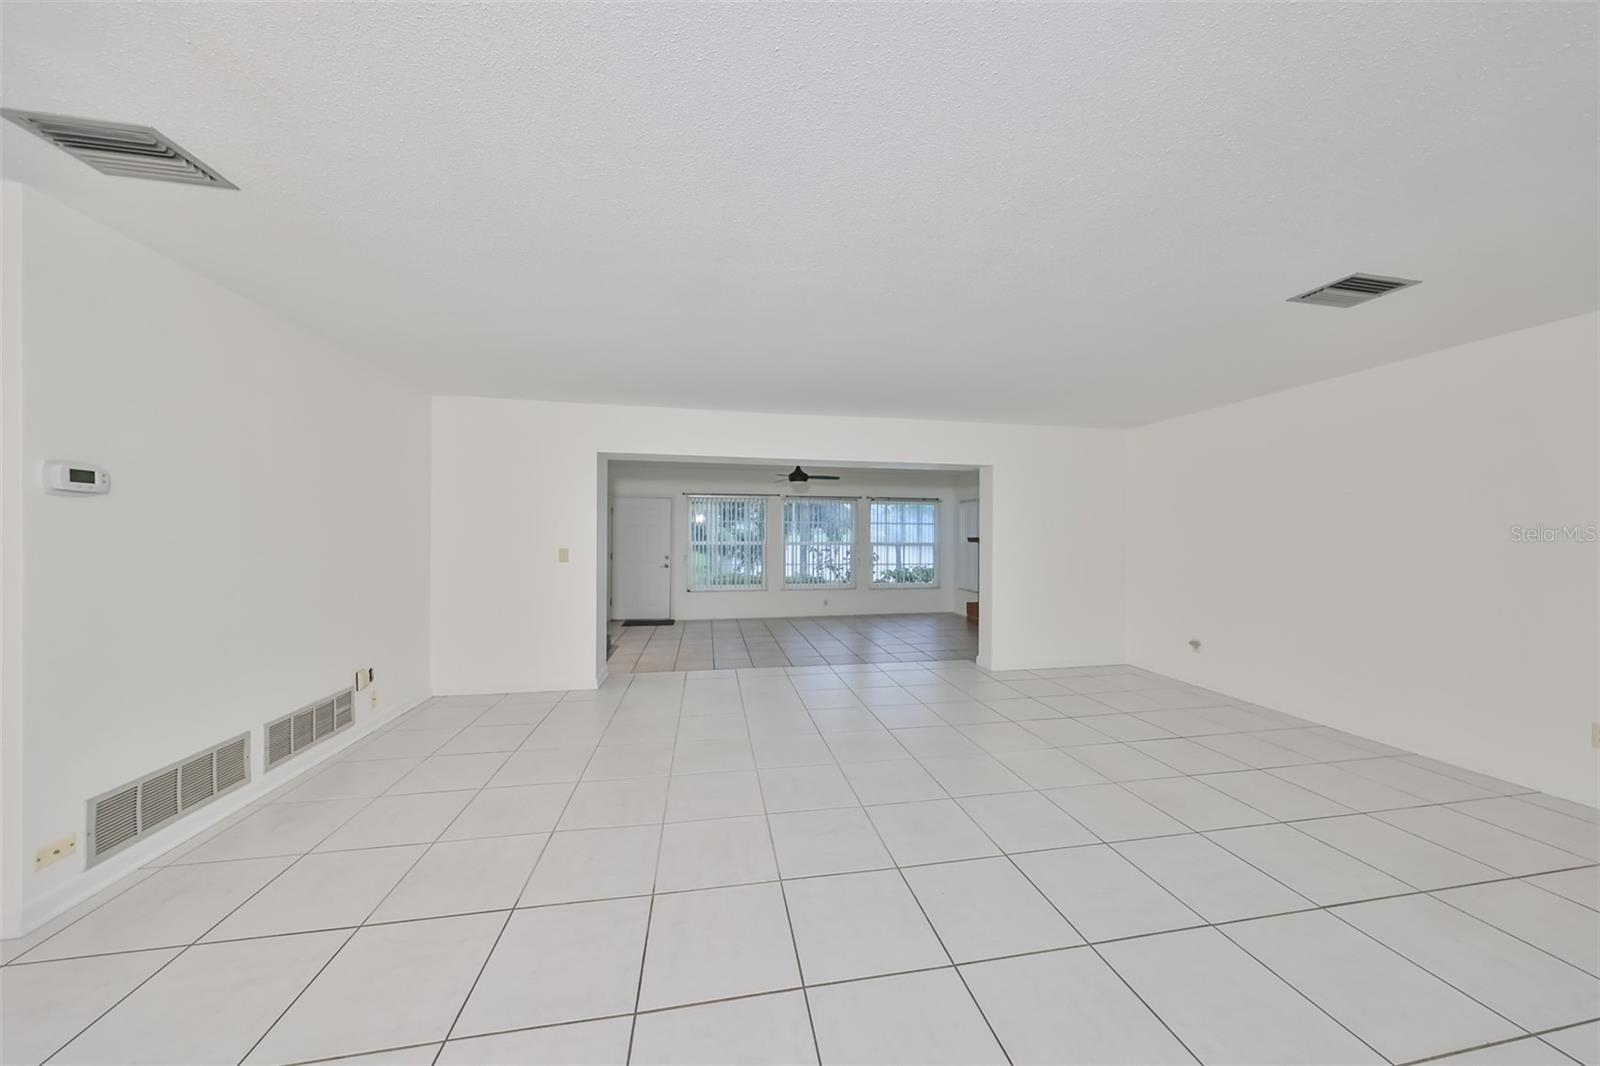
719 564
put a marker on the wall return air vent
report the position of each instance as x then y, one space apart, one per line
1355 289
132 812
294 733
119 149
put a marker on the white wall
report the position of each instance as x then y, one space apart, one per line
264 537
1345 552
514 481
672 481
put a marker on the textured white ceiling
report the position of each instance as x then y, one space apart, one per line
1073 213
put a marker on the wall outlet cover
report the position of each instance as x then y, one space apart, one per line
564 555
55 850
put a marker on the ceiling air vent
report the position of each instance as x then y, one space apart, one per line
130 812
119 149
294 733
1355 289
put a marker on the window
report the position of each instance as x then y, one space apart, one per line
727 542
819 538
905 542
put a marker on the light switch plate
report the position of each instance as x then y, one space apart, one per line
564 555
56 849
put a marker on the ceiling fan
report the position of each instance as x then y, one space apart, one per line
798 475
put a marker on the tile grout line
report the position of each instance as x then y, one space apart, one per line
1580 864
184 949
398 881
21 960
772 843
987 754
1069 923
1314 907
363 923
1209 924
1392 950
511 913
848 981
655 877
1012 861
1023 873
1538 1036
1180 901
924 912
1429 893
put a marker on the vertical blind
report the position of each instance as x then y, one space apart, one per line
727 542
905 542
818 541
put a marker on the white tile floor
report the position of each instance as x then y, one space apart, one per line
859 863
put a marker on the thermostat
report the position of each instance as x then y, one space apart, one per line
63 476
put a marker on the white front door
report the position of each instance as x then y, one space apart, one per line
641 558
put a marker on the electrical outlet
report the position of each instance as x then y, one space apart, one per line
563 555
56 849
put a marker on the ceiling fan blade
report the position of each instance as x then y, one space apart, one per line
824 477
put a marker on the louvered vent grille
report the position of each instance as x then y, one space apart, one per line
279 740
294 733
324 719
158 799
198 782
115 821
1353 290
119 149
124 815
303 735
233 764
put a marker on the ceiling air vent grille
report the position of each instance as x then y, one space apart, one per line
1353 290
131 812
294 733
119 149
